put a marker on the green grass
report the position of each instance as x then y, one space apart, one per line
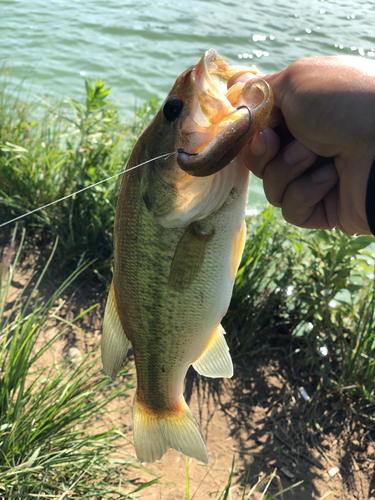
50 151
51 438
313 290
309 293
312 287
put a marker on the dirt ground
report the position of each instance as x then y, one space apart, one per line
259 418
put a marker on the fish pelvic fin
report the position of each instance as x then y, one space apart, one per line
114 344
215 362
156 432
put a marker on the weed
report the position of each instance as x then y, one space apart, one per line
70 146
314 288
49 441
262 486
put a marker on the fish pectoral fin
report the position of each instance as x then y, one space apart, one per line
155 433
114 344
215 362
189 256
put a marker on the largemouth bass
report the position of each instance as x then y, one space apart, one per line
178 238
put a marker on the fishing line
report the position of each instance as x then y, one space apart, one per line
166 156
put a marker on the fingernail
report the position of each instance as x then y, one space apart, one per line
258 144
296 152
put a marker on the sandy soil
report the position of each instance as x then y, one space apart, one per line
258 417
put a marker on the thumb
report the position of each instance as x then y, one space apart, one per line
276 82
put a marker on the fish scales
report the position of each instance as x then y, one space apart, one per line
178 239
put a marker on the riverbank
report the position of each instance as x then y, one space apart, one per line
301 316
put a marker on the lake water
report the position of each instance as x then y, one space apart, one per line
139 47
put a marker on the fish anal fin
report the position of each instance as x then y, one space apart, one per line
239 244
189 256
215 362
155 433
114 344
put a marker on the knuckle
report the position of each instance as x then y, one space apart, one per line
296 207
273 196
290 216
299 197
274 188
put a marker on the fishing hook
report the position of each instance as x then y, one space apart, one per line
180 150
250 121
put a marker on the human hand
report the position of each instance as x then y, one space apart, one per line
328 104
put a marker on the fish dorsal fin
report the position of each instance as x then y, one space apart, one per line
115 344
215 362
189 256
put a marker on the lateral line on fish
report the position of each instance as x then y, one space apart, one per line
166 156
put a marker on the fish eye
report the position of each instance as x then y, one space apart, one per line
172 108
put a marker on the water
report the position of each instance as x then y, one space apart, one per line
140 47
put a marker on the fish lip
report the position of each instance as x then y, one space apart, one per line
227 144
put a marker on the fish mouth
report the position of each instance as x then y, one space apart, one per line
225 116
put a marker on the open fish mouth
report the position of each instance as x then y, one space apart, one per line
211 132
221 113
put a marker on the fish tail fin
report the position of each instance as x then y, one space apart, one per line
155 433
114 344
